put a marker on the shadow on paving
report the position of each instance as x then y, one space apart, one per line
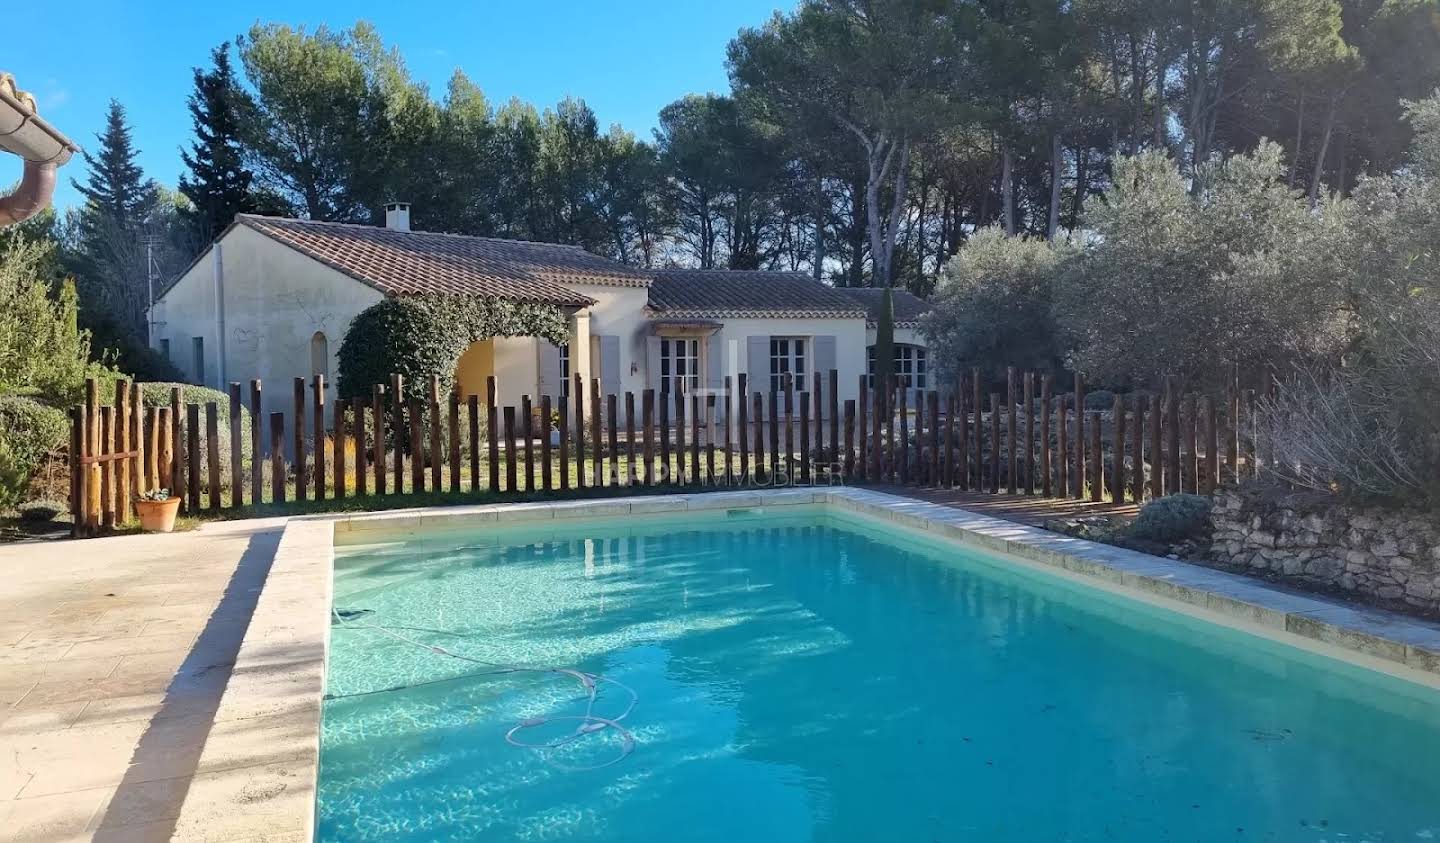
194 690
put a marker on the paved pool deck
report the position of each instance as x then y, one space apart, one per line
168 687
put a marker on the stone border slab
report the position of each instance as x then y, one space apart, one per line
257 777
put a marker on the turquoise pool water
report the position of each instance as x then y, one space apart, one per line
809 676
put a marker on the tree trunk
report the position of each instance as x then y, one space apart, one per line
1082 181
821 207
1324 148
1007 190
1161 68
1057 154
1299 136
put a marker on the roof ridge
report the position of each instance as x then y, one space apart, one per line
380 228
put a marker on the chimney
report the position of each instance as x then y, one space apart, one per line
397 216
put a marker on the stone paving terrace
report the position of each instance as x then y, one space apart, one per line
114 653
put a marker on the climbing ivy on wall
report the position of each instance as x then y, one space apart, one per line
423 335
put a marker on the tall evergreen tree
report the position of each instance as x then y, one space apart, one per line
116 186
218 184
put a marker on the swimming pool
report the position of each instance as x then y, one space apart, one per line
803 673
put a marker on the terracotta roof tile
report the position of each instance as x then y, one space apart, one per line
721 292
405 262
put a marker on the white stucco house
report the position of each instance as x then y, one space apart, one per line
272 298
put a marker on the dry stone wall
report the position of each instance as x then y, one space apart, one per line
1392 556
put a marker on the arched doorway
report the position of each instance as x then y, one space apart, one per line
475 366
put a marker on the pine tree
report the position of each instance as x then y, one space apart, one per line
218 184
116 186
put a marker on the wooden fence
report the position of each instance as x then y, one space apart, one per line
1031 439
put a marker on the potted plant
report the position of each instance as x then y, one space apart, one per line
157 510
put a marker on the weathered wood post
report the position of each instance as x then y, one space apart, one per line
301 480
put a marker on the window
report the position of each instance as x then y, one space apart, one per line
787 354
910 365
565 371
320 355
679 364
197 349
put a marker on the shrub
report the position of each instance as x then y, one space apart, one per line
1172 518
1100 399
12 479
39 511
158 395
31 430
423 335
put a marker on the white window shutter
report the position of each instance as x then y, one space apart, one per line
652 363
824 357
757 363
610 364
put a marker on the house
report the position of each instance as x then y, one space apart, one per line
272 298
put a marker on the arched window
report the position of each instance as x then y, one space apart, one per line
320 355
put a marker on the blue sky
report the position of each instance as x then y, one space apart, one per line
626 58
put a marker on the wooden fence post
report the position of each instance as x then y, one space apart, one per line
632 469
509 413
399 430
1062 447
577 391
257 445
760 437
948 478
788 384
453 429
742 425
647 411
546 481
317 394
679 396
377 410
301 480
1029 433
562 411
338 448
1157 453
165 460
121 433
436 452
107 473
1172 436
933 398
76 455
667 475
1012 465
1137 435
818 412
417 448
710 437
177 444
212 453
849 458
1232 436
1097 472
612 418
492 432
527 435
775 464
472 407
1045 398
1212 447
904 390
695 476
237 469
192 455
862 457
597 464
277 457
1080 440
962 471
152 450
805 437
137 443
979 407
1117 445
994 443
362 481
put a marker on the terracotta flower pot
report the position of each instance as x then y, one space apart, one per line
157 516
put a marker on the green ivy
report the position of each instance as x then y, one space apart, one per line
423 335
